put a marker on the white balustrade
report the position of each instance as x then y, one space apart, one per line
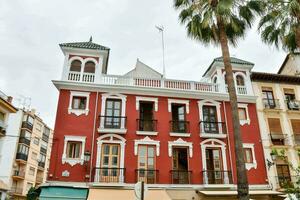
88 77
74 76
241 90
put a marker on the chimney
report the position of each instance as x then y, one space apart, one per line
9 99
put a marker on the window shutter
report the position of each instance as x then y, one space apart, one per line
274 125
296 126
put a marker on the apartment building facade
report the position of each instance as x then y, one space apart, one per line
112 131
25 153
6 108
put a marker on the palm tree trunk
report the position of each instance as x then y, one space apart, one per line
298 37
242 180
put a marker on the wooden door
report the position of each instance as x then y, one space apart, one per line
110 163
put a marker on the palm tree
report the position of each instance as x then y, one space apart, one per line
280 25
223 22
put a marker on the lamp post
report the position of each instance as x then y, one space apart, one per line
87 157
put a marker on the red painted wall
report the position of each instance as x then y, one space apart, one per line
70 124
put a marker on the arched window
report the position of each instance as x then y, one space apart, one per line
89 67
240 80
75 66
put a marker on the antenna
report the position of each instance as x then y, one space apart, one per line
161 30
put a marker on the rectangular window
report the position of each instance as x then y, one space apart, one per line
36 141
242 113
29 119
210 124
23 149
2 116
42 158
276 134
178 118
73 149
79 103
31 171
146 122
113 113
146 164
296 126
110 163
248 155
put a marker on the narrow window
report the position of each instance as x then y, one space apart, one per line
242 113
113 113
240 80
75 66
89 67
248 155
146 122
179 124
73 149
79 103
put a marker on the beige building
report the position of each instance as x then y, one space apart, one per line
32 149
278 107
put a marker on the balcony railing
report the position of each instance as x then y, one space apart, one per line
45 137
271 103
27 125
16 191
19 173
43 150
74 76
212 127
24 140
109 175
293 104
146 125
241 89
278 139
217 177
286 181
149 176
21 156
113 122
181 176
297 139
179 126
41 164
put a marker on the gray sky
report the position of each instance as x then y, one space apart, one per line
31 30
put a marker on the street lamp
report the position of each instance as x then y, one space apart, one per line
87 156
271 163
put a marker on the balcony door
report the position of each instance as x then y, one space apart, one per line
269 98
113 113
180 173
214 166
210 119
178 118
146 164
110 163
283 173
146 116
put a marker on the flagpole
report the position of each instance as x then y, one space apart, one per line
161 30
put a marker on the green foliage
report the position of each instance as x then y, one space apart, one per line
280 23
32 194
201 18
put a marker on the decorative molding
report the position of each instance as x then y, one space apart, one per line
151 99
254 163
146 141
112 130
151 133
178 101
73 161
78 112
65 173
180 134
213 135
180 142
247 121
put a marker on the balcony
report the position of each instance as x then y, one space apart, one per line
212 129
24 140
112 124
41 165
16 191
217 177
18 174
181 176
293 105
286 181
86 77
149 176
146 127
21 157
27 125
272 104
180 128
278 139
109 175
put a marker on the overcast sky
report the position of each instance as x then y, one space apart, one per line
31 30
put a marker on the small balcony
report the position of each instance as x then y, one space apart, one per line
109 175
180 176
149 176
293 105
18 174
180 128
217 177
24 140
272 104
212 129
146 127
278 139
3 127
16 191
21 157
112 124
85 77
26 124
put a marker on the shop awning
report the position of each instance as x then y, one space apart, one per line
125 194
232 193
63 193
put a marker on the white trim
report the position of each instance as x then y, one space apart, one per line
146 141
112 130
102 139
151 99
73 161
247 121
180 134
78 112
180 142
178 101
106 96
254 163
147 133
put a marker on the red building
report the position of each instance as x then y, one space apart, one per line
115 130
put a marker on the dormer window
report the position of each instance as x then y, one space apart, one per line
89 67
75 66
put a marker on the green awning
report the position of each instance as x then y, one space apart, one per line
63 193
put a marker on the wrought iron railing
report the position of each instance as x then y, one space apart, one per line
114 122
181 176
217 177
19 173
26 124
21 156
149 176
212 127
109 175
271 103
179 126
24 140
293 104
286 181
146 125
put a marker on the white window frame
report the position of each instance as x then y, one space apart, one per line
247 121
146 141
78 112
123 98
254 162
181 143
73 161
109 139
179 101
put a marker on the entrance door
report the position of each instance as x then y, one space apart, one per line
146 116
283 172
110 163
214 166
180 173
210 119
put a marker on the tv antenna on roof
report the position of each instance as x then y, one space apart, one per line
161 30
